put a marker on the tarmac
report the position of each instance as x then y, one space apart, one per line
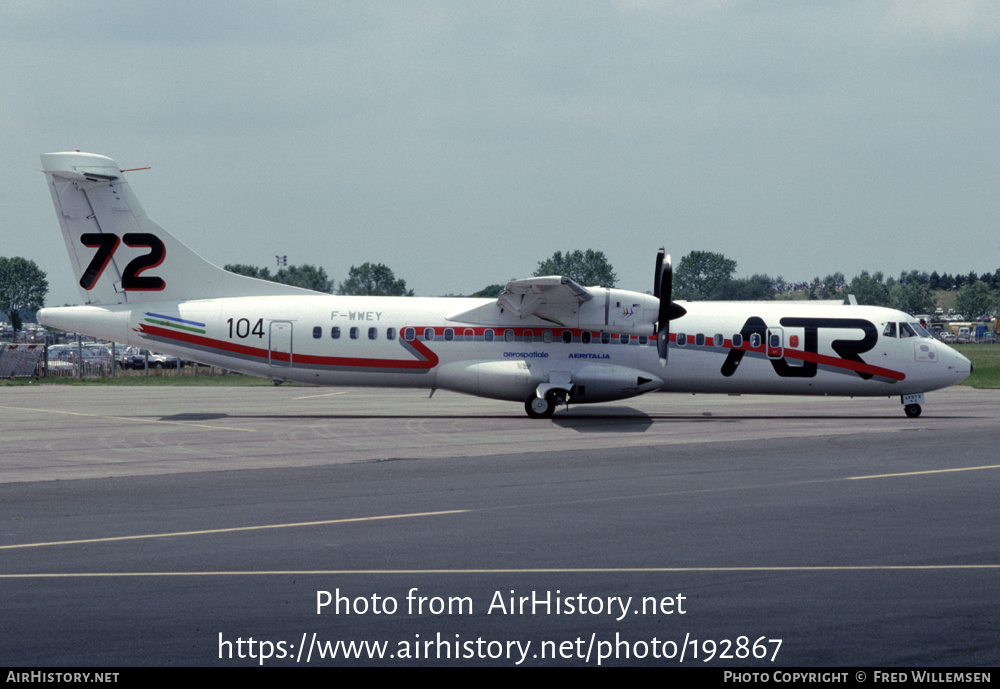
172 525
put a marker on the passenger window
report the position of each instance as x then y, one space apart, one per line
449 334
390 333
546 336
718 340
372 333
623 338
605 337
488 335
428 334
775 341
755 340
408 334
354 333
528 336
318 332
470 334
699 339
585 337
890 330
508 335
567 336
335 333
737 340
682 339
643 339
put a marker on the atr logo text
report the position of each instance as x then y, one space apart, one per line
757 333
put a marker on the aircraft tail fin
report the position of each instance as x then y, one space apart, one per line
121 256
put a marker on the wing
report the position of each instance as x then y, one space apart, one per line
559 300
552 297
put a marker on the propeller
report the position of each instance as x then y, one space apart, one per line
669 310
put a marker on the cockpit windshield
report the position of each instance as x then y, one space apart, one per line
904 330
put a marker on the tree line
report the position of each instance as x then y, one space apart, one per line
705 275
588 267
700 275
375 279
23 286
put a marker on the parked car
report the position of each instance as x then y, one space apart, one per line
129 357
121 360
66 359
137 359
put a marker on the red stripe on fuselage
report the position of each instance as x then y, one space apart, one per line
819 359
305 359
432 358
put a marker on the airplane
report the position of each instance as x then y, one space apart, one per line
546 341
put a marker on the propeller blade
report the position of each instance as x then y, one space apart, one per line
656 276
663 289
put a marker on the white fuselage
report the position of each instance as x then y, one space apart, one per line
731 347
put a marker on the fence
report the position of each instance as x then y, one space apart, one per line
19 360
90 360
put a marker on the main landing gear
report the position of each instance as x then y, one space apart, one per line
543 407
912 410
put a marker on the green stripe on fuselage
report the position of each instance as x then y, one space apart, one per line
168 324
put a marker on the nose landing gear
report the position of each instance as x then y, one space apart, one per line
911 404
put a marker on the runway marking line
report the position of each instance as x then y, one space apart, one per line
921 473
232 529
325 394
129 418
561 570
426 514
441 513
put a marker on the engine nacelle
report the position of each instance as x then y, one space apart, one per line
615 310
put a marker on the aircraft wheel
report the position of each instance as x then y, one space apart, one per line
912 410
539 407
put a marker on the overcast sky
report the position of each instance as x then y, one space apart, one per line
460 143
